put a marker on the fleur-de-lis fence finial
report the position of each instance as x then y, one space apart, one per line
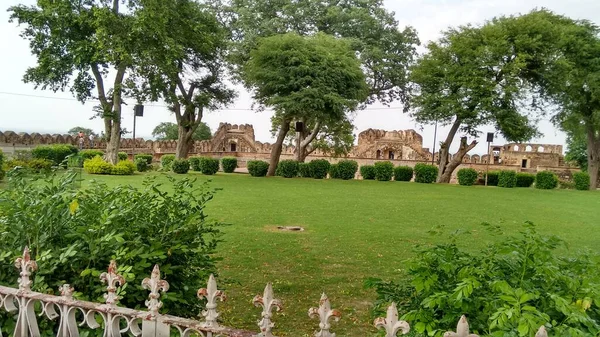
26 265
66 290
391 324
324 314
462 329
155 285
541 332
212 294
111 278
268 302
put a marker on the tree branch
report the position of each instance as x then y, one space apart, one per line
100 86
312 135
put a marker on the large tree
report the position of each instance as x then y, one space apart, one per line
385 51
78 45
183 62
317 78
170 131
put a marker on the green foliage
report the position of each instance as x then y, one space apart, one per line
54 153
123 168
403 173
166 160
304 170
89 154
546 180
229 164
507 179
577 150
147 157
1 165
517 284
581 180
566 184
209 166
86 131
287 168
384 170
97 165
319 168
141 165
525 179
180 166
73 233
346 169
257 168
467 176
334 171
123 156
426 174
24 155
493 177
170 131
194 163
367 172
40 165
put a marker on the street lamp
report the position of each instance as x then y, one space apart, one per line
490 139
138 111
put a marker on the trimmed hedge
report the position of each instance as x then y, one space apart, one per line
546 180
54 153
525 179
467 176
507 179
334 171
97 165
403 173
367 172
141 164
209 166
384 171
40 165
319 168
581 180
257 168
166 161
180 166
492 178
89 154
229 164
287 168
147 157
194 163
304 170
346 169
122 156
123 168
425 174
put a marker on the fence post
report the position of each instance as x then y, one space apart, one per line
391 324
211 293
324 314
268 302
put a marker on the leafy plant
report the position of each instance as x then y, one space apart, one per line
1 165
54 153
384 170
123 168
40 165
287 169
346 169
122 156
492 177
367 172
141 165
467 176
97 165
319 168
89 154
403 173
147 157
304 170
525 179
566 184
209 166
507 179
257 168
180 166
425 173
546 180
194 163
166 160
581 180
229 164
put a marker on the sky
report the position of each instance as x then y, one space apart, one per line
25 109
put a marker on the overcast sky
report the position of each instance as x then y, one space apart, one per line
20 111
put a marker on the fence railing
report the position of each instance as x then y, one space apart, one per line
115 320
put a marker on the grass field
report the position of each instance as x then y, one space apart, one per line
355 230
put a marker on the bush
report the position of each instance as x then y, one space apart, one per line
166 160
566 185
194 163
403 173
467 177
518 283
319 168
257 168
581 180
209 166
507 179
147 157
367 172
493 177
525 179
24 155
546 180
75 160
334 171
97 165
89 154
12 163
180 166
122 156
141 165
40 165
54 153
84 228
123 168
1 165
304 170
287 168
229 164
346 169
425 174
384 171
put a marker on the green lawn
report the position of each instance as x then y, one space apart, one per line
355 230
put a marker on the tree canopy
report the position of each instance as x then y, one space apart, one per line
170 131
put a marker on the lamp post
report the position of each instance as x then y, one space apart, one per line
490 139
138 111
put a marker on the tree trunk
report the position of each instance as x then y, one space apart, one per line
184 142
305 139
114 120
456 160
445 150
593 149
276 150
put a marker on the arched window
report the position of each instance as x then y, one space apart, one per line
378 156
528 148
541 149
516 148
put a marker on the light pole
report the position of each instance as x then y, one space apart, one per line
138 110
490 139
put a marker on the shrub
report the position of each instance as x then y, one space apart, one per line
467 177
304 170
546 180
122 156
367 172
1 165
507 179
403 173
384 170
334 171
84 228
347 169
194 163
287 168
319 168
24 155
229 164
89 154
425 174
566 185
97 165
75 160
525 179
54 153
166 160
518 283
12 163
581 180
123 168
141 165
147 157
257 168
209 166
493 177
40 165
180 166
